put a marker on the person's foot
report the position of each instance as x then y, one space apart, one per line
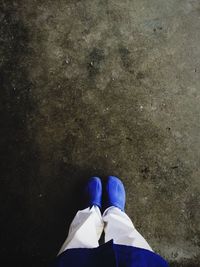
93 192
115 193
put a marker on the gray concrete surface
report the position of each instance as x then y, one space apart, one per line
99 87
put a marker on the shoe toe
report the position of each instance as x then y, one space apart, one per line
115 192
94 191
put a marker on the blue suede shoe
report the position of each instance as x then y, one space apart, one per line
93 192
115 193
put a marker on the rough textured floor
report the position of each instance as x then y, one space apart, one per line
99 87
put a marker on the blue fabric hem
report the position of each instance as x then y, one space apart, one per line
109 255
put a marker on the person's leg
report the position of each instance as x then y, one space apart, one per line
87 226
85 230
118 226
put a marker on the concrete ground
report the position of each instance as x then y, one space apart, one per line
99 87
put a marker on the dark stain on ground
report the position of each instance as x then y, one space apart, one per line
127 62
140 75
95 58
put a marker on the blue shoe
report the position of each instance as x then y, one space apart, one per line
93 192
115 193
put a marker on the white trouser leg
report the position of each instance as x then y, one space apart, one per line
119 227
85 230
